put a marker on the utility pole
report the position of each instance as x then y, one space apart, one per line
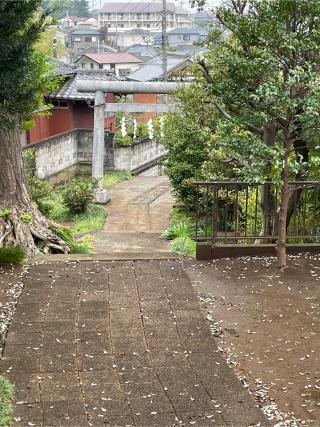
164 40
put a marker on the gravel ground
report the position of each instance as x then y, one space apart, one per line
11 285
266 323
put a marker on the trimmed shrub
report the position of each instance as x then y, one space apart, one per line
142 130
122 140
78 193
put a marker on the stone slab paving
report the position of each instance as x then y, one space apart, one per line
137 215
121 344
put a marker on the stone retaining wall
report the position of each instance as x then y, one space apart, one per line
69 152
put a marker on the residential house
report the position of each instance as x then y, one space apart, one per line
185 36
143 52
124 39
81 39
120 63
121 16
71 109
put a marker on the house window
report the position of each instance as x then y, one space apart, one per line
113 66
77 39
186 37
100 66
88 39
91 65
122 25
138 25
82 65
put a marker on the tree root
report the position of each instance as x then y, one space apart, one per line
31 232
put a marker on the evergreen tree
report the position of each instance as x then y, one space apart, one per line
24 79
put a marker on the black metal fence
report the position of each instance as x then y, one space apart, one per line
241 212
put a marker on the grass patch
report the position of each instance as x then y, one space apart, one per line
12 255
114 177
179 229
83 246
6 397
91 220
180 232
87 222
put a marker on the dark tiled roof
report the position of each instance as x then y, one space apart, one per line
61 68
69 91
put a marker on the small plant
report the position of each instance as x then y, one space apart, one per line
122 140
25 217
184 246
6 397
12 255
5 213
78 193
76 247
180 229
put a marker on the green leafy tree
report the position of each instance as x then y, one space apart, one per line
80 8
59 8
186 136
263 82
24 78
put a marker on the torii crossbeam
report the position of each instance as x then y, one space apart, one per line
101 108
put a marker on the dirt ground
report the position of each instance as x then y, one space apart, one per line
267 324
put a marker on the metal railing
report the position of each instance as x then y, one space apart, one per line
241 212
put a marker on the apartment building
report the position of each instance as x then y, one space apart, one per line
121 16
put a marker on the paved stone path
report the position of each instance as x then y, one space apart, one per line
118 343
137 215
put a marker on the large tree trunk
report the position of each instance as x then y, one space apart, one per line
21 223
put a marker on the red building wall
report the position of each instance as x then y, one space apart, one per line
78 115
144 98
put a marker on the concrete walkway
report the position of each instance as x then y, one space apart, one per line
118 343
137 215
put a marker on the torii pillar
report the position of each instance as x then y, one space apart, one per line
98 147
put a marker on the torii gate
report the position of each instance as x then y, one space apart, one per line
101 108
